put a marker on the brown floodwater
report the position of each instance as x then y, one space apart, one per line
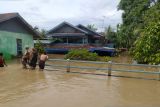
56 88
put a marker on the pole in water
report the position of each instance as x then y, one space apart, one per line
109 68
68 65
159 72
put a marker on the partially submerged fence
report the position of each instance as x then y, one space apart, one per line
109 67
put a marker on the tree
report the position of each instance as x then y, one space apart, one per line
110 35
121 37
147 48
39 46
43 33
92 27
141 29
132 17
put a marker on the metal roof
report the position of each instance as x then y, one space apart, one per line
89 31
65 23
67 35
8 16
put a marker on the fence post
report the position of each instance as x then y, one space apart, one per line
159 72
109 68
68 65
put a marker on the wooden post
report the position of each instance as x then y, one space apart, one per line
109 68
68 65
159 72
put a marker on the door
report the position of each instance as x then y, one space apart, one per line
19 47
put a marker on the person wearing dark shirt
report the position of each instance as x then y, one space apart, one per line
33 58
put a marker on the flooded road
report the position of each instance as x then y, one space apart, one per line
33 88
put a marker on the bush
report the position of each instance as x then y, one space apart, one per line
7 56
81 54
106 58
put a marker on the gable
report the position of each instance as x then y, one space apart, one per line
13 22
14 25
90 32
66 29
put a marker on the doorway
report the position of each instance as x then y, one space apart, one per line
19 47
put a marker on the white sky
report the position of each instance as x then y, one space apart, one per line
48 13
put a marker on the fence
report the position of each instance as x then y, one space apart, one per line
110 66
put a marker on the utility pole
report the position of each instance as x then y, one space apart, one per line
103 23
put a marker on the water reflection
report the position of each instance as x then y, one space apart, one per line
16 82
137 92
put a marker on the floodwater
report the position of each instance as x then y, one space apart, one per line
57 88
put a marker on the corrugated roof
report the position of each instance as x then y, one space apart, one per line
88 30
65 23
67 35
7 16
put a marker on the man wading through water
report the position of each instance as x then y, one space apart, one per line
25 58
33 58
42 61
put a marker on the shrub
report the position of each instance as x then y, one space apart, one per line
81 54
7 55
106 58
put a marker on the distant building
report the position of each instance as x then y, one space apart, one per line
93 37
15 34
73 36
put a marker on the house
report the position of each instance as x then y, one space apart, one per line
68 35
93 37
15 34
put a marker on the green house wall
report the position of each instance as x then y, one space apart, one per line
8 44
10 31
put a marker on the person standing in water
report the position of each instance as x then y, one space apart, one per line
43 58
25 57
33 58
2 61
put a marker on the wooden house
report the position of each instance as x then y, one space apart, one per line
15 34
68 35
93 37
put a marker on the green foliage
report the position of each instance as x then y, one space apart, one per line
92 27
7 55
39 47
42 33
141 29
56 40
110 34
81 54
133 23
147 48
105 59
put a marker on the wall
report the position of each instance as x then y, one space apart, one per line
8 43
11 30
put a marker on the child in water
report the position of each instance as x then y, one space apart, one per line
42 60
2 61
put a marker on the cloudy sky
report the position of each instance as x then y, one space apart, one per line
48 13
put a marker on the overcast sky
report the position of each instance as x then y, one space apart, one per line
48 13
